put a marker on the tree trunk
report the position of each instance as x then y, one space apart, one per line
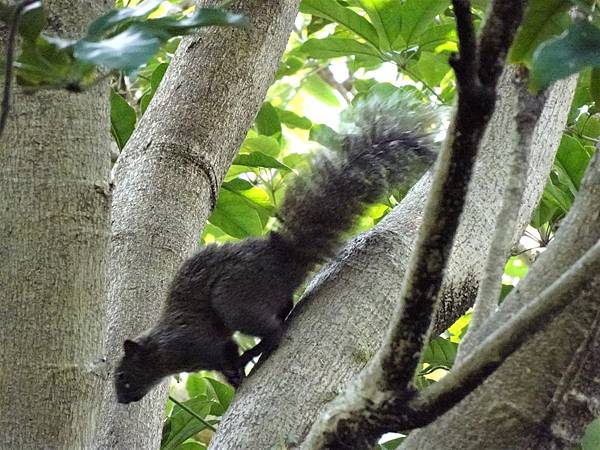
166 180
342 318
54 223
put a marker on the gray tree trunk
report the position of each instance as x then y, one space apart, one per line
166 177
342 318
55 228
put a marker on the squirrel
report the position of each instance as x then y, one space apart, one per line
247 286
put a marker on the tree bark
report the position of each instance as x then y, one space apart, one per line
55 226
167 178
341 320
539 382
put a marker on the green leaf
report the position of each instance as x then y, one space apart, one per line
236 216
126 51
433 67
237 184
192 446
322 91
263 144
595 87
386 16
259 159
293 120
196 385
516 267
119 16
543 19
458 329
574 158
440 353
436 36
505 289
334 12
158 75
332 47
392 444
325 136
122 119
591 438
289 66
364 85
544 213
223 394
267 120
33 21
567 54
202 17
316 24
183 425
418 15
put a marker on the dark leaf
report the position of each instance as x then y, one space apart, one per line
259 159
440 353
543 19
267 121
122 119
33 21
567 54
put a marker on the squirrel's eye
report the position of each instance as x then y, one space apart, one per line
120 376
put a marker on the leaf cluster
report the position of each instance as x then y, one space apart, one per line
120 40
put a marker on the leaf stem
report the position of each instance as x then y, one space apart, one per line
192 413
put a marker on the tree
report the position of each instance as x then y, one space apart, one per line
55 224
178 162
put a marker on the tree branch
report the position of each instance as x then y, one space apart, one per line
390 374
530 108
527 387
491 353
330 342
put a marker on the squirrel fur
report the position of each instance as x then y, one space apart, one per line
247 286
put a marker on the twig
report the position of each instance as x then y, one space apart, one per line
10 57
192 413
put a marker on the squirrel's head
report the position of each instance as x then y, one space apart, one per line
136 373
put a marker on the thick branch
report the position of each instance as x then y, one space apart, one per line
530 108
341 322
166 178
492 352
392 370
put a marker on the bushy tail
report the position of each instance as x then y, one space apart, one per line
386 144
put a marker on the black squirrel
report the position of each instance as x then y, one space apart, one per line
248 286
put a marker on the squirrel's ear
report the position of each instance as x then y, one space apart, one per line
130 347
